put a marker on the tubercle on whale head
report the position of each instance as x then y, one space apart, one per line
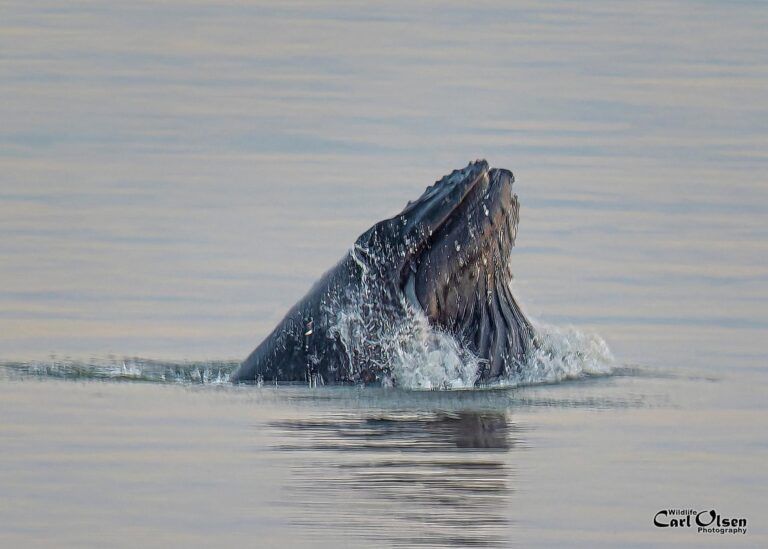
408 233
425 215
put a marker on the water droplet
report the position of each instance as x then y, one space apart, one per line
458 246
485 209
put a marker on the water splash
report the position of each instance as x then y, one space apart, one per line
403 346
124 369
430 359
564 353
426 358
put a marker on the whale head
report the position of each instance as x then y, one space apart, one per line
444 258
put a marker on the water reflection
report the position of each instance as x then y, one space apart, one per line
428 479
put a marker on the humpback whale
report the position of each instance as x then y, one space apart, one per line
441 267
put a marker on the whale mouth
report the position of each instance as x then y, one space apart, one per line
457 270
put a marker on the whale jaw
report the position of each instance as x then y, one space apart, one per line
460 276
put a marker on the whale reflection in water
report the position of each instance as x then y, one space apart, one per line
429 479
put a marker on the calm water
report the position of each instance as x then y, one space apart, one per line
174 176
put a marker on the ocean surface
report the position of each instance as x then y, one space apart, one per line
175 175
